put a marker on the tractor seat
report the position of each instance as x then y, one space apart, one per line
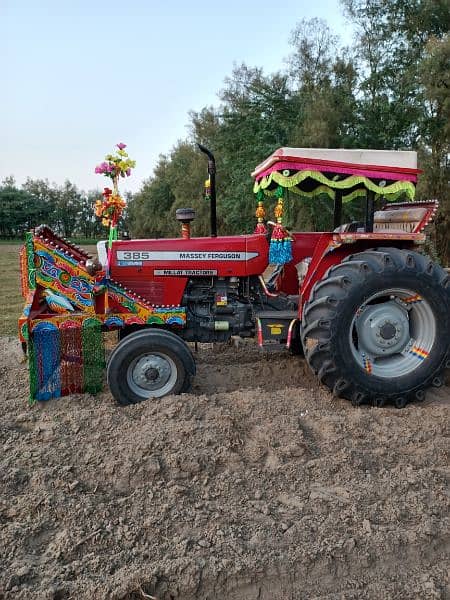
409 220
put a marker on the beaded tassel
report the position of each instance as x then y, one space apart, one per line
280 251
260 215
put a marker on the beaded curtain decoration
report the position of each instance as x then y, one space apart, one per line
93 355
46 355
65 358
71 357
32 370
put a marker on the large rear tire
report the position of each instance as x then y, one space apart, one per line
151 363
377 327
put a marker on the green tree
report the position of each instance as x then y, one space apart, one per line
256 118
42 208
17 209
147 212
323 92
68 208
435 138
88 225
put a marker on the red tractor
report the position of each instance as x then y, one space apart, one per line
369 311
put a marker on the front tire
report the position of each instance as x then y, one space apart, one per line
376 328
149 364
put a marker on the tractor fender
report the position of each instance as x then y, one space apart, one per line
326 256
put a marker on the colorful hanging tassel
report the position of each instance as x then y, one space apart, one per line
71 358
280 251
93 355
260 214
32 369
47 360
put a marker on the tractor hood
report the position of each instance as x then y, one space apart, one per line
148 266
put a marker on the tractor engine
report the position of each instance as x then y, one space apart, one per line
217 308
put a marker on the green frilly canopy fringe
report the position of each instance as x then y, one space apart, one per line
328 186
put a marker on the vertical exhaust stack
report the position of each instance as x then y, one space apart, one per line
185 216
212 178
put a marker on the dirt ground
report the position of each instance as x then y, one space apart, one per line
256 485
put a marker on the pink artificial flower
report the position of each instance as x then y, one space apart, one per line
98 169
121 146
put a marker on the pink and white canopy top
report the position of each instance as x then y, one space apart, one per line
380 164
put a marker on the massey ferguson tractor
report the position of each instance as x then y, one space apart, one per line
363 303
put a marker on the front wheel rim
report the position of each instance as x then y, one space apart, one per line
152 375
392 333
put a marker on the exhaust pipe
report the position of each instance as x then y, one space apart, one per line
212 177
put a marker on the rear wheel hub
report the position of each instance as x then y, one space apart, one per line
383 329
392 333
388 331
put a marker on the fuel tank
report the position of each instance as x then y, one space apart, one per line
159 269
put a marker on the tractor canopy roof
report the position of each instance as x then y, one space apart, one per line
312 171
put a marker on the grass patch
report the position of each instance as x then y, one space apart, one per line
11 301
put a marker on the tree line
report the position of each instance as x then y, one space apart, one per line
64 208
389 90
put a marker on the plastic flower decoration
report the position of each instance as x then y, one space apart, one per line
110 207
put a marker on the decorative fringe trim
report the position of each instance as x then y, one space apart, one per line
32 371
71 358
47 361
280 251
93 355
396 188
66 359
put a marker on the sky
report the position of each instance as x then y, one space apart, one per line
81 76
